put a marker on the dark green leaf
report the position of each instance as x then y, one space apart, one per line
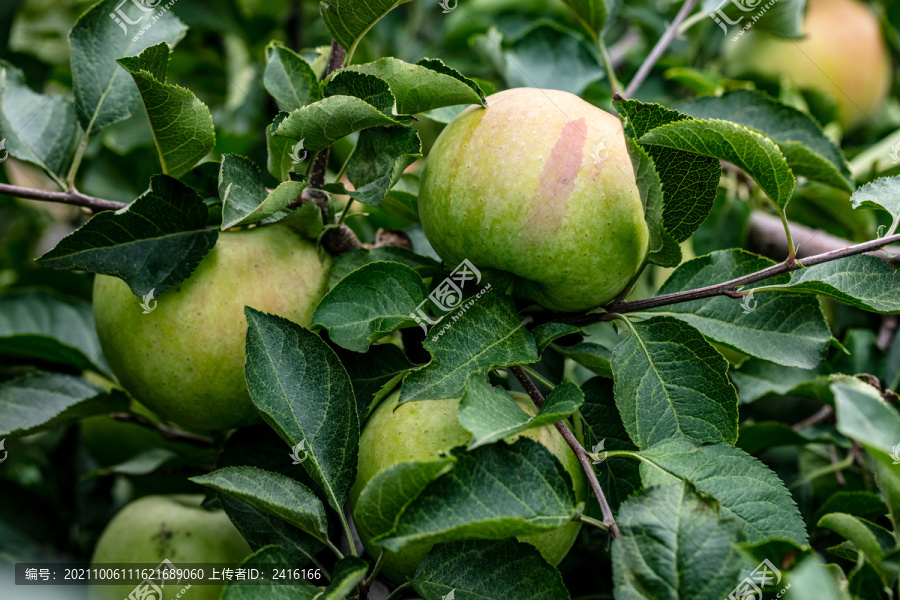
552 57
273 493
348 20
470 340
763 435
245 199
322 123
304 393
48 328
348 572
593 14
289 79
493 492
863 415
749 492
670 382
480 569
274 555
351 261
306 219
103 92
592 356
372 301
375 374
863 281
674 546
872 540
546 333
805 146
152 244
785 329
865 505
380 157
664 249
491 414
38 401
756 378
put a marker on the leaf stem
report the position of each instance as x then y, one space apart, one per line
660 48
539 377
73 197
582 455
792 251
398 589
335 549
594 522
79 155
166 431
367 583
348 533
614 84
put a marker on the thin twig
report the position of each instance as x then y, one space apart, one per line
660 48
838 475
73 197
167 431
887 332
821 415
582 455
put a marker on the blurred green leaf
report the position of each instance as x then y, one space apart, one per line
245 199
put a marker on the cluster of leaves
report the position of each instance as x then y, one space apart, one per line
688 398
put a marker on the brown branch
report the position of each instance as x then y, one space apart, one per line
73 197
608 519
660 48
822 414
167 431
887 332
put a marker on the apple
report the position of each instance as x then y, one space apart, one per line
843 56
184 360
421 431
538 186
156 528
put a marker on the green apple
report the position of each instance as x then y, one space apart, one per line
421 431
156 528
843 56
184 360
538 185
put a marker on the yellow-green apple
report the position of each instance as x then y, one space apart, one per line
539 186
421 431
175 528
184 359
843 56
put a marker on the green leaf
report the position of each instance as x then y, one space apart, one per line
863 415
813 580
375 374
274 555
347 573
379 159
245 199
805 146
754 153
552 57
348 20
347 263
674 546
491 414
304 394
863 281
261 529
470 340
593 14
756 378
152 244
103 92
663 249
289 79
480 569
749 492
38 401
280 160
273 493
592 356
44 327
785 329
37 128
689 181
322 123
882 193
424 86
391 491
670 382
546 333
763 435
619 477
306 219
493 492
872 540
182 126
865 505
372 301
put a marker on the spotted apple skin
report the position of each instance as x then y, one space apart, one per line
423 431
539 187
184 360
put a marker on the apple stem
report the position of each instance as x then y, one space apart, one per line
609 520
